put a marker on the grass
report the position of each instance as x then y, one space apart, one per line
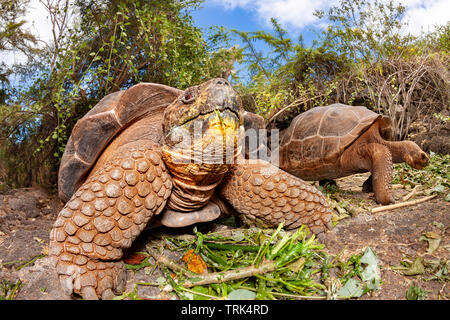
9 289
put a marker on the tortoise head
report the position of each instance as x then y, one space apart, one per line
201 131
414 155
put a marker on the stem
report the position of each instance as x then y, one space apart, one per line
220 277
297 296
233 247
168 263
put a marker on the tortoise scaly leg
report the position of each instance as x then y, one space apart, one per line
381 172
373 157
103 217
262 191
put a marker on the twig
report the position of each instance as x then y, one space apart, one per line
411 194
215 277
295 103
402 204
168 262
220 277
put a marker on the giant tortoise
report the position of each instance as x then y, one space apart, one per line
147 155
339 140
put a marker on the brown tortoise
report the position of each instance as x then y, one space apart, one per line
340 140
128 164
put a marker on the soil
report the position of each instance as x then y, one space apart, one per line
27 215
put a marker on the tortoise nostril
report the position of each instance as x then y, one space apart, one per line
222 81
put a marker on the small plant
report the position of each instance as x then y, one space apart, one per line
9 289
416 293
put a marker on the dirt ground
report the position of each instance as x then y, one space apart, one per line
27 215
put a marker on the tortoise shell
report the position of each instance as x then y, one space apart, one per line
93 133
318 137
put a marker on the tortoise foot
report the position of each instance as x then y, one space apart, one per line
384 198
263 192
93 280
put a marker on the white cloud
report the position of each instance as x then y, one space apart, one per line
38 21
298 14
295 14
425 15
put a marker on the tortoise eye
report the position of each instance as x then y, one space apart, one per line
187 97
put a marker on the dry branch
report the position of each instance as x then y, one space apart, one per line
220 277
412 193
215 277
402 204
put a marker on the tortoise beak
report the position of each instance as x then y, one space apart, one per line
423 160
222 96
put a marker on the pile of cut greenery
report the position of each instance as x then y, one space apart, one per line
261 264
435 177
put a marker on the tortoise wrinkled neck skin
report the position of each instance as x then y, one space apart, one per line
201 140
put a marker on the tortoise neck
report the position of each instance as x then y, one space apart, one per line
190 197
397 149
193 183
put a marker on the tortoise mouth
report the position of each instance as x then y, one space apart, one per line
220 110
209 138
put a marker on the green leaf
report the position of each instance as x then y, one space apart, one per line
241 294
415 268
200 289
415 293
371 274
438 189
352 288
433 241
369 257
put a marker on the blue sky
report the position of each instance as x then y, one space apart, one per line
242 18
296 16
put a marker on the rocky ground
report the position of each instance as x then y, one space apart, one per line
396 236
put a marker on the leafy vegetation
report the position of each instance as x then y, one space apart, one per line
435 176
259 264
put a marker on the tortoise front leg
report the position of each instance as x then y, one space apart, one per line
377 159
262 191
103 217
381 172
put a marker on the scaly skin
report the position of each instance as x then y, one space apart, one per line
263 191
104 216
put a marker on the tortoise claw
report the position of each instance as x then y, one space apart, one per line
88 293
108 294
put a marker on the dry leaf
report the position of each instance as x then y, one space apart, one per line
433 239
194 262
38 240
297 265
134 258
